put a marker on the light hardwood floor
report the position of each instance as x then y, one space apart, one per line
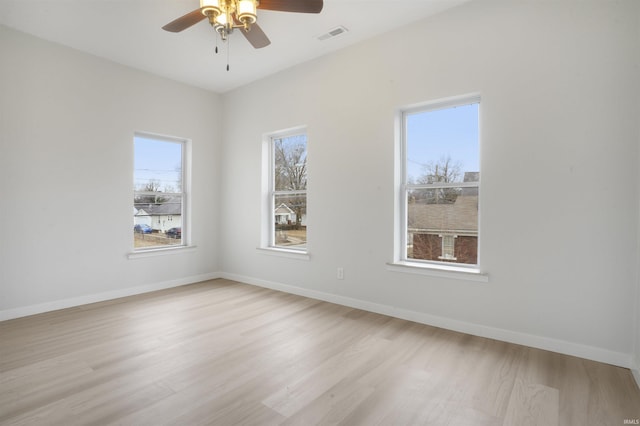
221 352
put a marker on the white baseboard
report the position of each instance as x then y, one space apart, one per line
101 297
540 342
636 374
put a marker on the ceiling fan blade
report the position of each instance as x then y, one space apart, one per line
184 22
256 36
300 6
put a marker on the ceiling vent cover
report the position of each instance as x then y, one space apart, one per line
334 32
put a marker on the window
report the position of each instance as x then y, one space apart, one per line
448 247
440 184
286 212
158 192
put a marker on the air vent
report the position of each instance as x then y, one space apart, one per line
334 32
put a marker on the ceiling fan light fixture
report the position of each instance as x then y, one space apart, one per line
227 15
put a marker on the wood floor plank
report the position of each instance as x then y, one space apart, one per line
299 393
224 353
495 376
332 406
532 404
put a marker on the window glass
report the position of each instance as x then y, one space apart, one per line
288 194
440 187
158 198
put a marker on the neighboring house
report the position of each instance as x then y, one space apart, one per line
161 217
445 231
284 215
141 217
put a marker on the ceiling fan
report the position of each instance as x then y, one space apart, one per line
227 15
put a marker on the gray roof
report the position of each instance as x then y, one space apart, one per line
283 209
168 207
459 217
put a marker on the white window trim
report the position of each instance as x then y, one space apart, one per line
160 251
267 234
438 270
423 267
281 252
186 245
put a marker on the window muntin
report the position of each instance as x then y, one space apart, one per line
440 183
288 191
159 192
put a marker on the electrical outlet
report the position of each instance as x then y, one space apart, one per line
340 273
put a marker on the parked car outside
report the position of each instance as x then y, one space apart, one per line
142 229
174 233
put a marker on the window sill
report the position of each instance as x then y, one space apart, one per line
140 254
291 254
443 271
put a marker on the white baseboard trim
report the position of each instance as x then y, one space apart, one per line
635 369
510 336
636 374
101 297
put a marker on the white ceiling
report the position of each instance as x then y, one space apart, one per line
129 32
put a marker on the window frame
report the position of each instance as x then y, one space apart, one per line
268 236
401 262
184 194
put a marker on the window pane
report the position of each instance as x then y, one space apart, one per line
442 224
290 219
290 163
157 165
442 145
158 198
157 220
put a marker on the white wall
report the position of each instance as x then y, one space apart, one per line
636 337
66 160
559 214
